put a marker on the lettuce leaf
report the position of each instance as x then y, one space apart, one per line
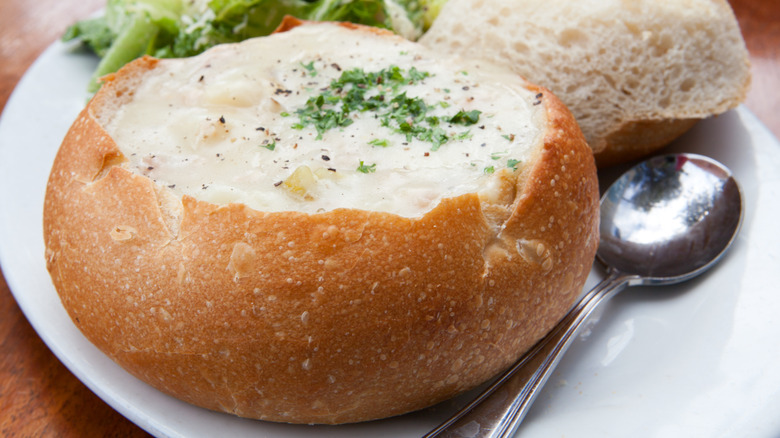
179 28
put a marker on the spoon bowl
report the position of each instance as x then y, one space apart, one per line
669 218
664 221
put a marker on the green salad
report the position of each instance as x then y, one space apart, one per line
178 28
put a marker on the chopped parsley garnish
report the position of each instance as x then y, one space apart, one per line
270 146
363 168
381 92
323 119
310 68
466 118
383 142
490 169
463 135
512 163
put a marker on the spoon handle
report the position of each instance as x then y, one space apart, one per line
499 409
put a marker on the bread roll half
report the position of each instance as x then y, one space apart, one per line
212 237
636 74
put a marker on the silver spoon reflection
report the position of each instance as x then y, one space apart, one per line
664 221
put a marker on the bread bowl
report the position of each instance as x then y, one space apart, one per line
635 74
301 306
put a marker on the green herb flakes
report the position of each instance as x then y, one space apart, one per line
310 68
363 168
382 92
466 117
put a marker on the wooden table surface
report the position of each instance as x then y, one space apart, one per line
38 395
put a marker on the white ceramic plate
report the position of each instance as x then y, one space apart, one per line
698 359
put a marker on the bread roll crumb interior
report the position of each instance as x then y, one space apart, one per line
636 74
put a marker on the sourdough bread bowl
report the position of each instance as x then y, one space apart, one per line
212 235
635 74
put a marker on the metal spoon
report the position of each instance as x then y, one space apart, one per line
664 221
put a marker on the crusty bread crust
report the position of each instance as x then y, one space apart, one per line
342 316
637 139
289 22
